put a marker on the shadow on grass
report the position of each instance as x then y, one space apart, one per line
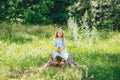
105 66
105 72
17 39
21 39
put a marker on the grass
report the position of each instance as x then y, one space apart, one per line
21 57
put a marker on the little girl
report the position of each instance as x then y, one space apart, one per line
59 46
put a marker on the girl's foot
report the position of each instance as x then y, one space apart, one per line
61 62
55 62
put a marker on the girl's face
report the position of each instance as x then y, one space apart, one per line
59 34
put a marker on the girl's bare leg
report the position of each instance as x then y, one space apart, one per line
54 61
62 60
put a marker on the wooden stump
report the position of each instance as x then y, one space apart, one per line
69 62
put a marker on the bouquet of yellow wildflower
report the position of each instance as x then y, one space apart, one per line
58 50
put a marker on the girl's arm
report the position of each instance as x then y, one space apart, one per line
63 47
55 47
55 44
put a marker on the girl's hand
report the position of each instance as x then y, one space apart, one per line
62 49
58 50
55 48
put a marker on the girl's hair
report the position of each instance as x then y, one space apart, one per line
56 34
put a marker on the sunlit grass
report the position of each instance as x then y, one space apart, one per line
21 57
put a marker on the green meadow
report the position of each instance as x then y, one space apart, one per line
22 56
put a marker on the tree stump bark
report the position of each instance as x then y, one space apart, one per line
69 62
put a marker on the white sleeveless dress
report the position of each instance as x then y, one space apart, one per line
60 43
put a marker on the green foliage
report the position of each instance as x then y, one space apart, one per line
37 12
34 11
101 13
59 11
8 30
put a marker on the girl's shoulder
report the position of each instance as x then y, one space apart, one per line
57 39
64 40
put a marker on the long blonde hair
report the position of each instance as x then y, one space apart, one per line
56 34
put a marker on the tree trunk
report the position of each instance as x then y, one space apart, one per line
69 62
